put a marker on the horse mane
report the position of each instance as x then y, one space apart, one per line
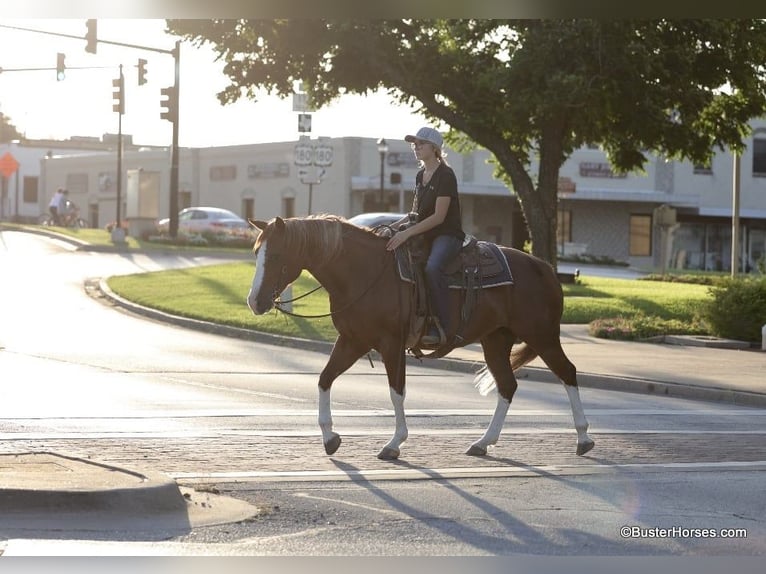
320 236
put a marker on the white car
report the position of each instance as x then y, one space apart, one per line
199 219
376 218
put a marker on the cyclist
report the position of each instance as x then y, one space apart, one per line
56 204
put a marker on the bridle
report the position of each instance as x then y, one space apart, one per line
278 302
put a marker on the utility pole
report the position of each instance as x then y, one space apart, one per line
735 215
118 235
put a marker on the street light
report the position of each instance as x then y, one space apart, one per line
383 150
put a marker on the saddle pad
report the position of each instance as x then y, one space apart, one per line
490 270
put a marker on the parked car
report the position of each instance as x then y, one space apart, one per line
373 219
199 219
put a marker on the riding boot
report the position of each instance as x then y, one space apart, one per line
434 335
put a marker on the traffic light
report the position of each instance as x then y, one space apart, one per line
90 36
119 94
141 71
169 104
60 67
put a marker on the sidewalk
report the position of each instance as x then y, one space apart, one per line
682 370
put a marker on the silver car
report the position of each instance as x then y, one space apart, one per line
199 219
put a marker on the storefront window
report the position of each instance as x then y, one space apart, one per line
640 235
759 156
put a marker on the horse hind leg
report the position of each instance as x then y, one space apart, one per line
563 368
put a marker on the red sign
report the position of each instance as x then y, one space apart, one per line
8 165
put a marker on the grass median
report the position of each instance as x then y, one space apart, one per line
217 293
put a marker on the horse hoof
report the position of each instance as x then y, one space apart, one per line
584 447
388 453
476 450
332 445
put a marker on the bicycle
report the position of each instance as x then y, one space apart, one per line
70 218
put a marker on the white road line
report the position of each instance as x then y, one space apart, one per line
462 472
411 413
192 434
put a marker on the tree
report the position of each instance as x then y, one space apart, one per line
8 131
529 91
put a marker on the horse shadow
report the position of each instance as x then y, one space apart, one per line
520 536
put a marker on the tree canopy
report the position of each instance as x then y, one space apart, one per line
8 131
529 91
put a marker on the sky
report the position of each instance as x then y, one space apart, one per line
81 104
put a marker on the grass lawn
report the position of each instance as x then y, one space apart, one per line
600 297
217 293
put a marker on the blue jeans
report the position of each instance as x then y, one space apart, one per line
443 250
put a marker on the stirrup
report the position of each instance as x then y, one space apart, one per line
429 339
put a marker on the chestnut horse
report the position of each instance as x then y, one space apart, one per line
371 307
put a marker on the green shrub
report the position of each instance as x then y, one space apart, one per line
642 326
694 278
737 309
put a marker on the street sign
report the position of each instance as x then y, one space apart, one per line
304 123
301 103
304 154
8 165
323 155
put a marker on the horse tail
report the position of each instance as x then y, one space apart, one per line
520 356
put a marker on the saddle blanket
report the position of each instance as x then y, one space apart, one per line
485 262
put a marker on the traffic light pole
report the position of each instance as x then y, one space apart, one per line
176 53
173 223
118 224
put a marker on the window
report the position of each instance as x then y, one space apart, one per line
288 206
640 235
223 172
700 169
30 189
564 226
759 156
248 207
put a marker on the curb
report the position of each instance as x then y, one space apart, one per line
112 488
588 380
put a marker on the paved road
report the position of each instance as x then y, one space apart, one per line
238 417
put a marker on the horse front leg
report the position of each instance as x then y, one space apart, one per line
497 351
344 355
395 369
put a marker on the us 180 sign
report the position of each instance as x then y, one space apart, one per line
304 154
323 155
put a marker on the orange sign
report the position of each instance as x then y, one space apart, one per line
8 165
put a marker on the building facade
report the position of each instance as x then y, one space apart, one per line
601 213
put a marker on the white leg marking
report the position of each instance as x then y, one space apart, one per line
578 414
325 414
400 434
260 269
496 424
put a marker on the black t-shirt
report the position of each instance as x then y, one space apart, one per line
443 183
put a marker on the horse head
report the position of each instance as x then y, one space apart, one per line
276 265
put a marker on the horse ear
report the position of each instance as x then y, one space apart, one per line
279 223
257 223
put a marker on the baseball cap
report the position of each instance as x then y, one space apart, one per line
427 134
